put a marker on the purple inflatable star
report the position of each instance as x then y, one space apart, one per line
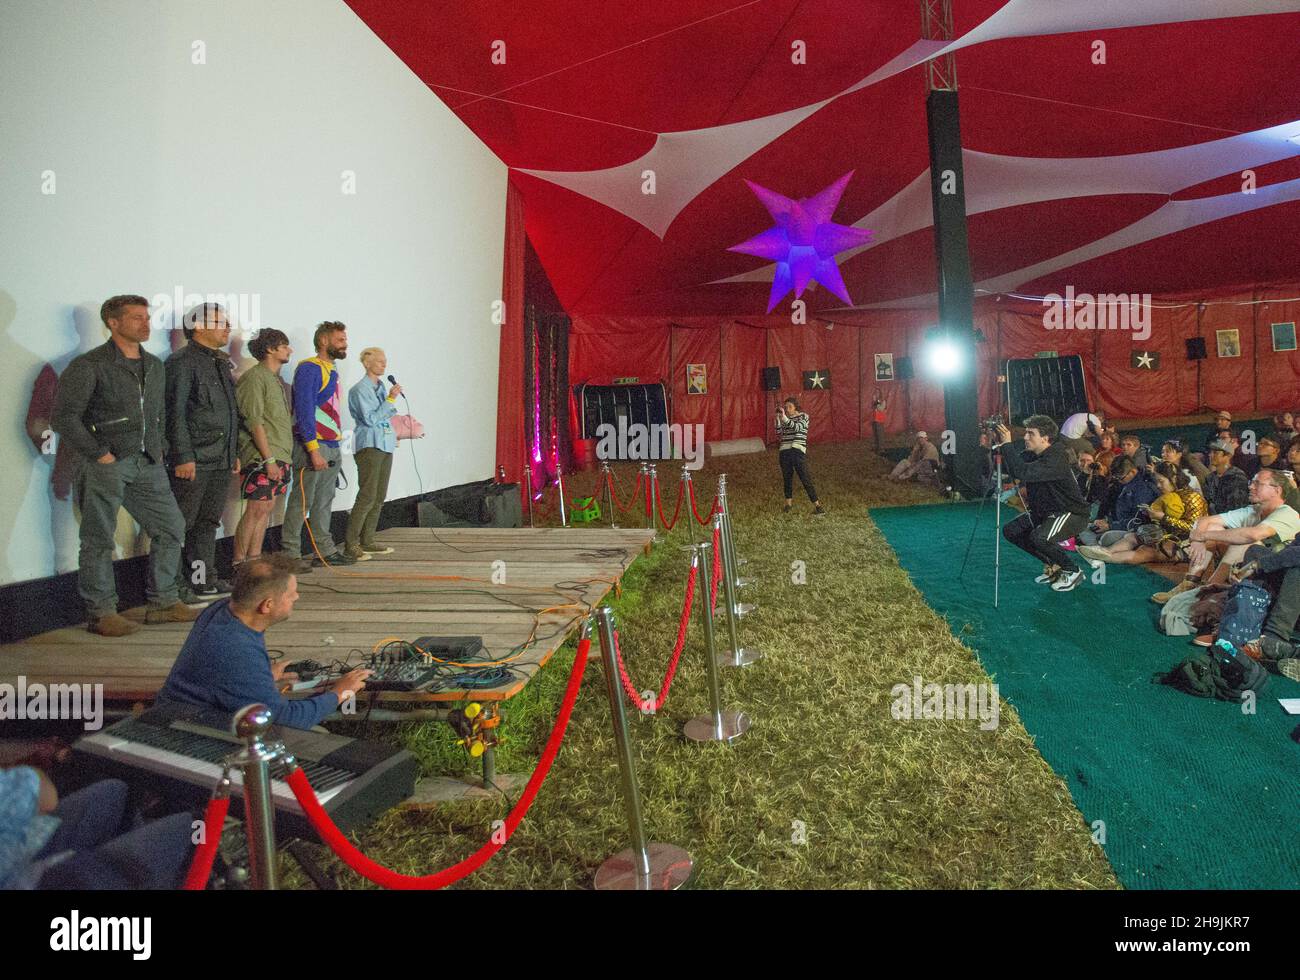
805 241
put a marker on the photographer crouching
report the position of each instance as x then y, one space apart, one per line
1057 508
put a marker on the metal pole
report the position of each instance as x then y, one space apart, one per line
654 497
608 477
528 490
997 543
736 656
735 560
645 483
645 866
685 490
720 726
559 483
730 575
252 724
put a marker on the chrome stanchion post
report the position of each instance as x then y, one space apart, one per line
608 476
559 484
645 866
645 483
720 726
730 575
685 491
253 724
654 501
528 489
737 656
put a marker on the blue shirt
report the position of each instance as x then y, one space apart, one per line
368 402
23 829
1136 492
223 664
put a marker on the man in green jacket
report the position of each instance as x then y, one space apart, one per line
109 412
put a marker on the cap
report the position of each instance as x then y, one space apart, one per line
1221 445
1223 415
922 434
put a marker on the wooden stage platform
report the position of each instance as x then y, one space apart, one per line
488 582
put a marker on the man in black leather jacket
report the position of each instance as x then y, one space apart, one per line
202 437
109 412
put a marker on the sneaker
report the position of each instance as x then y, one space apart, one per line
1271 648
191 598
376 549
1204 640
356 554
216 589
1050 574
1289 667
113 624
1067 580
177 612
819 511
1183 586
338 558
304 564
1093 553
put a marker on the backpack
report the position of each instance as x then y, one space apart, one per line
1244 612
1220 672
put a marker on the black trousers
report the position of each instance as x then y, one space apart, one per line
201 502
795 461
1043 541
1285 611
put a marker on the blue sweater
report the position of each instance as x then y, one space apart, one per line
1136 492
223 664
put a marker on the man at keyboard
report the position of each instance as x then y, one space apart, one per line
224 663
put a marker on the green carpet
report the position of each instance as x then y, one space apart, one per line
1193 793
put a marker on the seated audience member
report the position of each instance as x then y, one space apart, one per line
1268 451
1076 429
1222 421
1108 442
1134 490
1091 477
1279 572
1265 520
1171 517
1131 446
265 439
1225 487
922 463
1284 428
86 840
224 663
1173 452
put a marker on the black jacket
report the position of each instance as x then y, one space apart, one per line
202 417
101 407
1049 480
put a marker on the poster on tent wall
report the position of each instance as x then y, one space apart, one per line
884 367
1283 336
697 379
1229 342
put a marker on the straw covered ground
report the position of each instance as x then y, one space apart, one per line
828 789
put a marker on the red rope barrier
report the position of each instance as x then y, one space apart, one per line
613 493
196 879
380 875
717 566
713 508
668 525
682 625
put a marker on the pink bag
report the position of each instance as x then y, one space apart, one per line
407 427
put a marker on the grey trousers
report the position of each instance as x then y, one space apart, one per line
141 487
374 466
317 487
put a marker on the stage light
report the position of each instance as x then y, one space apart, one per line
942 358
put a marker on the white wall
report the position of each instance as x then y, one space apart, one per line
228 177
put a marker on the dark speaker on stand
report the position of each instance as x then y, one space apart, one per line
771 379
1195 348
903 368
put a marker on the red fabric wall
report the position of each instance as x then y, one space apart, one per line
605 347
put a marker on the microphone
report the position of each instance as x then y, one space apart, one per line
393 381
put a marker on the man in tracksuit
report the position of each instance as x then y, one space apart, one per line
202 436
109 411
1057 509
317 432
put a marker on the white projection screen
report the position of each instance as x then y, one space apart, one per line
274 152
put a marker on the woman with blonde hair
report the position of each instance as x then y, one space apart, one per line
374 442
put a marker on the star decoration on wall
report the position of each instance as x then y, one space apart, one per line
804 241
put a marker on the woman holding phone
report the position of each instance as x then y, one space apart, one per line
792 429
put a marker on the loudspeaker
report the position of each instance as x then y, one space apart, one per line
1051 386
1195 348
902 368
771 379
483 504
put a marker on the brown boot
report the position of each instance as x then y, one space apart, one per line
1183 586
113 624
177 612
